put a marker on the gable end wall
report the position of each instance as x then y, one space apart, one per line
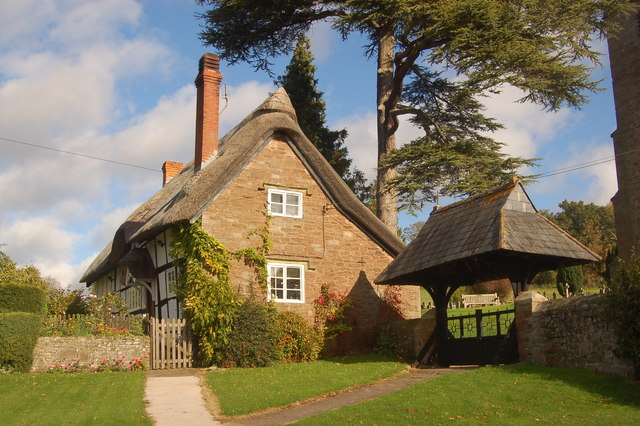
332 249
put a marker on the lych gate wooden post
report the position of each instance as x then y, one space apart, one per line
441 296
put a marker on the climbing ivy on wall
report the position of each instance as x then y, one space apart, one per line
209 301
205 290
256 258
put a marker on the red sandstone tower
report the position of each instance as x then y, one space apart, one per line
624 54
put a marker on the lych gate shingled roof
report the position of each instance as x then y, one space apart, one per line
187 195
498 234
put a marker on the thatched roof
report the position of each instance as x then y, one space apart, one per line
187 195
498 234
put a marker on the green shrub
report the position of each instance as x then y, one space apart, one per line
572 276
386 344
296 340
65 301
18 336
252 341
625 309
22 298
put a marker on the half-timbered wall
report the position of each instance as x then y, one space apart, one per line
163 287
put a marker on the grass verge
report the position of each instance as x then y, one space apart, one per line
247 390
73 399
521 394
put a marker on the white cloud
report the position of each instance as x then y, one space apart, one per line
362 141
19 18
596 183
35 239
323 40
527 126
242 100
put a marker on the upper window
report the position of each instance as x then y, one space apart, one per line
285 203
286 282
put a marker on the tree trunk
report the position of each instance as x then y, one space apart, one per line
386 200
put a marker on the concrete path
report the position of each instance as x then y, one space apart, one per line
175 397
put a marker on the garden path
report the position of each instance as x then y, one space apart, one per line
175 397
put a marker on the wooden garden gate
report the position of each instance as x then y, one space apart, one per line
171 345
482 338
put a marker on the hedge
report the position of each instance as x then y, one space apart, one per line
18 336
22 298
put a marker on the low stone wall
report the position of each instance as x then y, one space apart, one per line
574 332
411 335
59 350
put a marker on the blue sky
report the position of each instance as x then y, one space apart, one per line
114 79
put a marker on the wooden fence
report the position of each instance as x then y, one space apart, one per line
171 345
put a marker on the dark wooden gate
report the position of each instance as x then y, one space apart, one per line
482 338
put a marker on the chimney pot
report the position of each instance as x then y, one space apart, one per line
207 109
170 169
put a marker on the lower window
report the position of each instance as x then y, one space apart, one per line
286 282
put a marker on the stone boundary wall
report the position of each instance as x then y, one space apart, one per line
411 335
574 332
59 350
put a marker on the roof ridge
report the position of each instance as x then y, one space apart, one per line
472 198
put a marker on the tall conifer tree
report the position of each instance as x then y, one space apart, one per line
302 86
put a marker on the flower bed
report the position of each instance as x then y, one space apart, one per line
110 364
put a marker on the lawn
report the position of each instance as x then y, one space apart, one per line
73 399
247 390
548 292
520 394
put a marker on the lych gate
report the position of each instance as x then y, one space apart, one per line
490 236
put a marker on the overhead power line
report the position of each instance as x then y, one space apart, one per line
92 157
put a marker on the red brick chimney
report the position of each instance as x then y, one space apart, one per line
170 169
208 94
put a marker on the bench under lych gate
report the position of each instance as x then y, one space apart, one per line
480 300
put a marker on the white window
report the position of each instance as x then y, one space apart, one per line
285 203
172 281
286 282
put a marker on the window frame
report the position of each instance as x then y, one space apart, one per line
284 194
285 288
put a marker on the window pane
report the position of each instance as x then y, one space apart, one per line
279 294
277 271
277 283
293 272
293 295
276 198
276 208
293 283
293 199
292 211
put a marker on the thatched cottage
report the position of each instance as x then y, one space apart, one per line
321 233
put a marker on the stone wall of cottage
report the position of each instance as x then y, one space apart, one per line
61 350
573 332
332 249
